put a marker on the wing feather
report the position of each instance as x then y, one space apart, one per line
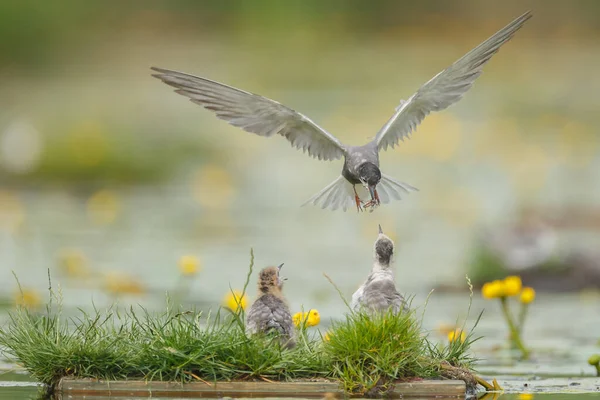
444 89
255 114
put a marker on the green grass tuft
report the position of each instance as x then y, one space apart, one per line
367 354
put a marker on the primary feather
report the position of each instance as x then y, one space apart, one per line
254 113
444 89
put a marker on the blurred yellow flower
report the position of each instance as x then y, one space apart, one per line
492 290
512 285
527 295
28 298
120 283
189 265
12 211
445 328
456 334
525 396
327 336
103 207
235 300
213 187
310 318
73 263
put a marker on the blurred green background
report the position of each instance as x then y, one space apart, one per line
108 178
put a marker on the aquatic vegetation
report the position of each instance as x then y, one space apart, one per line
307 318
511 286
594 361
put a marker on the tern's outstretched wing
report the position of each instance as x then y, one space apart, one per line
445 89
254 113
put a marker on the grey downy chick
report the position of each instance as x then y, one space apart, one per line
378 293
270 313
361 170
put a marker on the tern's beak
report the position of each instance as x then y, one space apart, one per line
380 230
372 191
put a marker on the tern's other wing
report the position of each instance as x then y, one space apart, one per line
445 89
254 113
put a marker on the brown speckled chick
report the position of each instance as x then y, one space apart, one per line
270 313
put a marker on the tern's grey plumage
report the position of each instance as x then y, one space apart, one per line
379 293
265 117
270 313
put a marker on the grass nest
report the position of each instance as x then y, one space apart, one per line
367 354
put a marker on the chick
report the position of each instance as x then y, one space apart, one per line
379 293
270 313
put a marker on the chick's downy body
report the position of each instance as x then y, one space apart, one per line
379 293
270 313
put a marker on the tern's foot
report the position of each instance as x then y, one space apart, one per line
358 203
373 202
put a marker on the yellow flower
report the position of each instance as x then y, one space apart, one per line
189 265
73 263
28 298
455 334
103 207
444 328
327 336
525 396
310 318
512 285
527 295
492 290
235 300
12 211
121 283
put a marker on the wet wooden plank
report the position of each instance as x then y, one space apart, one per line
85 388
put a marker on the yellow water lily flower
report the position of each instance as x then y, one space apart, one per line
310 318
527 295
73 263
28 298
492 290
235 300
456 335
103 207
512 285
525 396
189 265
117 283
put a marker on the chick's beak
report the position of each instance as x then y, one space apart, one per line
279 267
380 230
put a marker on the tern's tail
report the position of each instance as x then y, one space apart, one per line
340 194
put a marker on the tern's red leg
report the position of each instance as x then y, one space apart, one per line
357 200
